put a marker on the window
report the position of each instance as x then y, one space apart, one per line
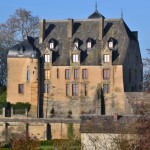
76 43
47 88
47 74
74 89
106 58
51 45
67 74
28 74
85 89
75 58
84 74
47 58
89 44
76 73
20 51
111 44
21 88
106 74
67 89
57 73
106 88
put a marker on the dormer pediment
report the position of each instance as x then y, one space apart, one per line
106 49
75 49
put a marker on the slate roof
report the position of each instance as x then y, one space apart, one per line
82 30
95 15
107 124
28 48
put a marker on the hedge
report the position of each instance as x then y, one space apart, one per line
20 105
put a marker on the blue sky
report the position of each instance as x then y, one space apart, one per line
136 12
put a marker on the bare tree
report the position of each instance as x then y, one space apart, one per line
20 25
146 77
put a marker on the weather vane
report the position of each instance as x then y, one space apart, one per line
96 6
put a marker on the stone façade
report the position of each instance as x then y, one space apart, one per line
124 66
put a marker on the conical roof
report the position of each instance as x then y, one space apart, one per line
95 15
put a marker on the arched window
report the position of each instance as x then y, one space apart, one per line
28 73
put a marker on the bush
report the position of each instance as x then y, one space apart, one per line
5 104
20 105
45 143
3 93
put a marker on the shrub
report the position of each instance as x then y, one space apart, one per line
45 143
20 105
5 104
3 93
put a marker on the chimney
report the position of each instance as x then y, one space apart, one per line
42 31
70 28
101 28
115 117
135 33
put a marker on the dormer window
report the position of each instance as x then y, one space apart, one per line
106 58
76 43
20 51
47 58
89 43
75 58
51 44
111 42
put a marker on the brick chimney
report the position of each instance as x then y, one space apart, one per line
101 28
70 28
42 31
115 117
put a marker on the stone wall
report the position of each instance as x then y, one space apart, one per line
42 129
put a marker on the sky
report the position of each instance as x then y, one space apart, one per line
136 13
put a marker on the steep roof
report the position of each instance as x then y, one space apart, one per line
83 30
27 46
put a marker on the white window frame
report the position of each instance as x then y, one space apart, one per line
75 58
111 44
106 58
76 43
51 45
89 44
47 58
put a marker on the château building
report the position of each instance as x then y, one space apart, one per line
76 66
